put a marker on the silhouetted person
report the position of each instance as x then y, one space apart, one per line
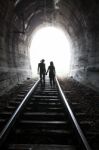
51 70
42 71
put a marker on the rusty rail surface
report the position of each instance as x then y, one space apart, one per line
80 133
4 133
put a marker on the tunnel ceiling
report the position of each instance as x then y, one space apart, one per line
73 15
34 11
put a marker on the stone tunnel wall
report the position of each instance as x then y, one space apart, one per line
14 57
87 53
82 23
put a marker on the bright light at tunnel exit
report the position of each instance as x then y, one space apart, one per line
51 44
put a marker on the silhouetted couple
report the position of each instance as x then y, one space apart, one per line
42 72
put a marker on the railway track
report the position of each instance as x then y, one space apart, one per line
43 120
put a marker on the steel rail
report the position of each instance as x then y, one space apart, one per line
4 133
74 121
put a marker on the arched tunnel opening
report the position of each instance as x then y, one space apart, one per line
63 31
51 44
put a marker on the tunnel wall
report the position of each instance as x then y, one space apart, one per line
14 57
81 22
88 62
86 50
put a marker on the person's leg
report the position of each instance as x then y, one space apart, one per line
41 78
44 77
51 82
54 80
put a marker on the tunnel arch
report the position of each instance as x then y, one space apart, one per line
19 18
59 47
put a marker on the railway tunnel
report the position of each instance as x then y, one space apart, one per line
20 20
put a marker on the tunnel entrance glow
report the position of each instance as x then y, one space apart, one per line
51 44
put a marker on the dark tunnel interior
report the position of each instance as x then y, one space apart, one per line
20 18
40 100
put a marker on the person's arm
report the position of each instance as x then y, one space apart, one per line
47 70
38 68
54 71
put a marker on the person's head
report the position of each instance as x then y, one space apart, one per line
42 60
51 63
